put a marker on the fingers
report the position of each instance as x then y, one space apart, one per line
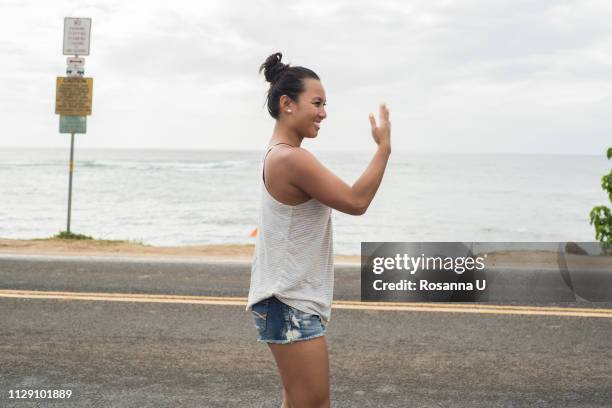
372 121
383 113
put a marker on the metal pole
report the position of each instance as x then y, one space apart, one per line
70 179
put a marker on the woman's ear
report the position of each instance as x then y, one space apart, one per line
285 104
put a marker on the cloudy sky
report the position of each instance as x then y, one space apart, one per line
458 76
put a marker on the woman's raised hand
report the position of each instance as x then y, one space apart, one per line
382 133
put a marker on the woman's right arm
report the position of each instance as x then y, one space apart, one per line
309 175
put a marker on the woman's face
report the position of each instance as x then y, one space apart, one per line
306 115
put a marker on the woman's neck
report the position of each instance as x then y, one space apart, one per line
284 134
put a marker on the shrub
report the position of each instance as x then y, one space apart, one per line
601 216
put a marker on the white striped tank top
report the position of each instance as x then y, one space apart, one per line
293 257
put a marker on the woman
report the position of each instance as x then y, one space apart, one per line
292 275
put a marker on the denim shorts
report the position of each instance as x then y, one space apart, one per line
277 322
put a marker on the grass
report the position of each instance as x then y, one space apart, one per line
65 235
71 235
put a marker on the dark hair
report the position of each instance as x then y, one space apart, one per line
284 80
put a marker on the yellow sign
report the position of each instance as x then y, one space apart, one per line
73 96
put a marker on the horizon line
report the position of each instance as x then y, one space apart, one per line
154 148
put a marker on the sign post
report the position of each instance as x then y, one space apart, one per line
73 95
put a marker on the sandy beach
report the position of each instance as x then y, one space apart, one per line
66 247
54 246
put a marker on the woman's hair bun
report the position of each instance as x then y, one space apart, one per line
273 67
284 79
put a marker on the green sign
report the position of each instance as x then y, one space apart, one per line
73 124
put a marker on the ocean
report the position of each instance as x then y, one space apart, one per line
173 197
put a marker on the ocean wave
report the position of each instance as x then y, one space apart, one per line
182 166
13 164
132 165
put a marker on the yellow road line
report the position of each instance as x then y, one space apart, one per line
479 305
339 304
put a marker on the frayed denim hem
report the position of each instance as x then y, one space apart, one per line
292 341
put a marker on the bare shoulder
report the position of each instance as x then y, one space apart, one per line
296 158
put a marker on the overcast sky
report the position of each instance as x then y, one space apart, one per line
458 76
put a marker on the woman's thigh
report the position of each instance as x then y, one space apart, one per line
304 370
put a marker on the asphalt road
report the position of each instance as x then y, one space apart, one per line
157 354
